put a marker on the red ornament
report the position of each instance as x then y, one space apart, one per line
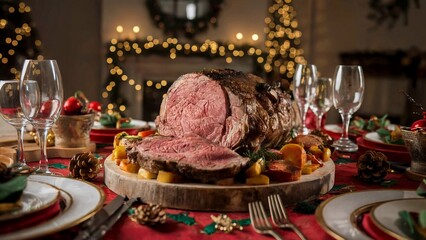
419 123
72 106
95 106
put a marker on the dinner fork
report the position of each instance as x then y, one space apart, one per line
260 221
279 216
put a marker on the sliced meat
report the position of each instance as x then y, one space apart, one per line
191 156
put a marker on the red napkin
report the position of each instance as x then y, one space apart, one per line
373 230
31 219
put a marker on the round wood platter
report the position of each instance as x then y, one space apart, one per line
208 197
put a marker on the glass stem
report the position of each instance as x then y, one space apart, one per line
43 163
20 154
303 113
346 117
319 120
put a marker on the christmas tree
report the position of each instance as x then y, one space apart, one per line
283 41
18 40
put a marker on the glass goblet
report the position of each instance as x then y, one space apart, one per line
11 112
41 97
304 78
322 99
348 92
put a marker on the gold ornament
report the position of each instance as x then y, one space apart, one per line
84 166
50 138
149 214
372 166
225 224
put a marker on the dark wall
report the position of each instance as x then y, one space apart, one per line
70 31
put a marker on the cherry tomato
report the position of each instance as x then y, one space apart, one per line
95 106
72 106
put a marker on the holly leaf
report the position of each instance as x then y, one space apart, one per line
58 166
182 218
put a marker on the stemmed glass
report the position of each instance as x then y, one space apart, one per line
322 98
11 112
41 96
304 77
348 91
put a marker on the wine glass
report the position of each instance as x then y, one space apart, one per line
304 77
322 98
11 112
348 91
41 97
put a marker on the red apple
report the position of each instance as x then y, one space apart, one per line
46 108
419 123
72 106
95 106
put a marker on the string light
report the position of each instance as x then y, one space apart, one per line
282 39
16 39
282 51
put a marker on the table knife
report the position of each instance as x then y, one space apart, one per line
100 232
100 217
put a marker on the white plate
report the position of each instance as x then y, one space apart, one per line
87 199
35 197
373 137
333 128
386 215
133 124
334 214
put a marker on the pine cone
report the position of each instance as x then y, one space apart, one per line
149 214
5 173
84 166
372 166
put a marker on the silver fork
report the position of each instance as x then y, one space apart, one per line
260 221
279 216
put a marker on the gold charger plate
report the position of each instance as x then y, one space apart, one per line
335 215
86 199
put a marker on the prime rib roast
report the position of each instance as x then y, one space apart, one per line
206 116
228 107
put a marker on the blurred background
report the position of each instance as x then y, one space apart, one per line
126 53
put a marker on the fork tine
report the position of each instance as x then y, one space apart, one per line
252 216
272 210
262 215
280 206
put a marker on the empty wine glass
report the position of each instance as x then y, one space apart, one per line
304 77
41 97
322 98
11 112
348 91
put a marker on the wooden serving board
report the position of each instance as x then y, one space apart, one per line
206 197
32 151
12 139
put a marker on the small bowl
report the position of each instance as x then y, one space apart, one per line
415 140
73 131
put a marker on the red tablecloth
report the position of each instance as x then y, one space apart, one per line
126 229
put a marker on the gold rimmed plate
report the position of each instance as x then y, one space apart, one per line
35 197
336 215
386 215
83 200
373 139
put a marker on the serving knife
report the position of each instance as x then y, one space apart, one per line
100 217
